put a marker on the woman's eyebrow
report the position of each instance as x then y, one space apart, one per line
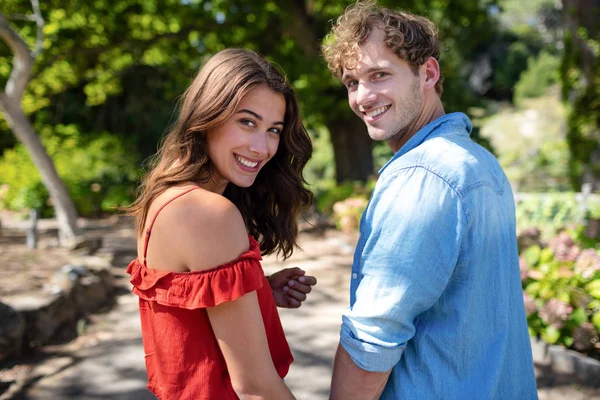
257 116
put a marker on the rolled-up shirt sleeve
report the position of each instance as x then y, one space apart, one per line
415 229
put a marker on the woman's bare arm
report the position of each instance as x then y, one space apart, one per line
213 233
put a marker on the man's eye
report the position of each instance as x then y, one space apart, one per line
350 84
380 74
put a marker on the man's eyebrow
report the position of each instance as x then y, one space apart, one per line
257 116
346 76
374 68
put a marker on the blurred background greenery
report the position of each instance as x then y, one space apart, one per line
104 86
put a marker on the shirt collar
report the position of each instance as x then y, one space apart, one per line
453 120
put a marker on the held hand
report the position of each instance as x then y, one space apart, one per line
290 287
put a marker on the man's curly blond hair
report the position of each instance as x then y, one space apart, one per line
411 37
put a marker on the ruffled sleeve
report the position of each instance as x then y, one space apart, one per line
199 289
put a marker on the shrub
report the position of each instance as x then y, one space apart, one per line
330 193
541 73
347 213
561 284
551 212
98 170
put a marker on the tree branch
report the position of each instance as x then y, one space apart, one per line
22 61
39 21
21 17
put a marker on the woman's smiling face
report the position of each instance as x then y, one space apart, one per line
243 144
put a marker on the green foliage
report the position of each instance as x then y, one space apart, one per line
529 27
382 153
332 193
98 170
530 143
321 167
561 286
117 67
551 212
541 73
509 66
580 77
348 212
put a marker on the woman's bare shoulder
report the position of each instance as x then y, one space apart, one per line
204 229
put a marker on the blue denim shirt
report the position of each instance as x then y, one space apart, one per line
435 290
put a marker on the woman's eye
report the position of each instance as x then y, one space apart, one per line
248 122
275 130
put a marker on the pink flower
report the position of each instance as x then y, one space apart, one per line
555 312
588 263
563 247
530 306
535 274
523 267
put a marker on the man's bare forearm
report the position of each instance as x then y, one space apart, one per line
349 382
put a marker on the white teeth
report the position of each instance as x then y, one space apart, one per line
377 111
245 162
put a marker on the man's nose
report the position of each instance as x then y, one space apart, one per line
365 95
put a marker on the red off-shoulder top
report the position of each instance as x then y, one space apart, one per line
183 358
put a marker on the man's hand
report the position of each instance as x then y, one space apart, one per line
290 287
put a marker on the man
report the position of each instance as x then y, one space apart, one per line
436 308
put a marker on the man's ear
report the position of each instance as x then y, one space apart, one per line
431 73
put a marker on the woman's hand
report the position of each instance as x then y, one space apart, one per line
290 287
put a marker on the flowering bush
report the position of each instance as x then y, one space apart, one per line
347 213
561 285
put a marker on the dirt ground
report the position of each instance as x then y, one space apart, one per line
24 270
107 362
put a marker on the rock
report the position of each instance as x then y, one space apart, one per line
94 262
91 246
44 314
90 294
61 281
75 243
72 292
11 332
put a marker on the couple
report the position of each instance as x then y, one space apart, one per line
436 310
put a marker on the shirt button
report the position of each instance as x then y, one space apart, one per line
354 275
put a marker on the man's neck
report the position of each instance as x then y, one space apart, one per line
432 111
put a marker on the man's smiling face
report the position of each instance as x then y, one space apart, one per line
383 90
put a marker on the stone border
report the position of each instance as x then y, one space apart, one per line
84 286
564 361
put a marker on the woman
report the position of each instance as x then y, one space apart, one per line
228 174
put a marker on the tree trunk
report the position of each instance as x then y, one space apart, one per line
69 234
66 215
352 148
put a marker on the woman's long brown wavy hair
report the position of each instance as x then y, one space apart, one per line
271 206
